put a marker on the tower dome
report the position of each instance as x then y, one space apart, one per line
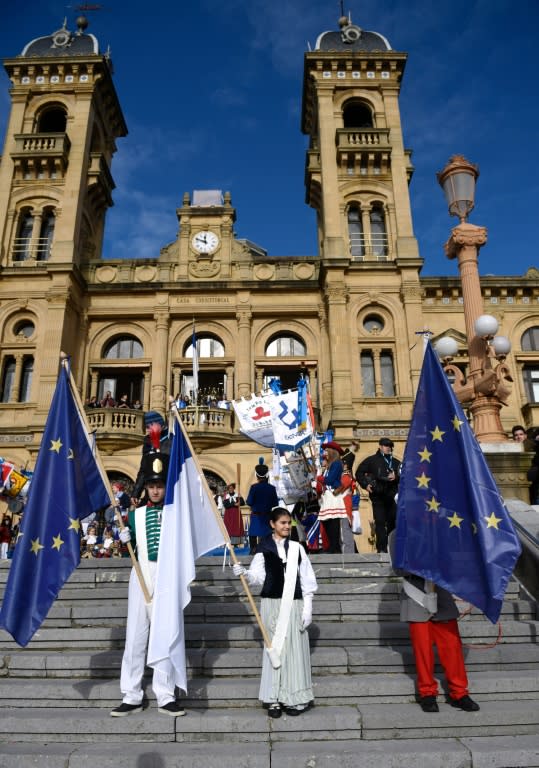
63 43
351 38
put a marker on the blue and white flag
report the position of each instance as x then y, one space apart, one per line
286 421
66 486
189 529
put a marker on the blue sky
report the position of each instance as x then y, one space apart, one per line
211 93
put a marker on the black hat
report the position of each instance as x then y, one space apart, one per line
155 466
385 441
261 469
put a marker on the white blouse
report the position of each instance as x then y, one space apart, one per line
256 574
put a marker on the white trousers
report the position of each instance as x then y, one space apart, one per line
4 547
136 642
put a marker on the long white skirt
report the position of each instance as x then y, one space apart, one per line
291 684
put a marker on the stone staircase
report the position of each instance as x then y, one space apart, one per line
56 694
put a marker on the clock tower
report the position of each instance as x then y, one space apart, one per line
203 250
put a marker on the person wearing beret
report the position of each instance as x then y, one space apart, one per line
379 475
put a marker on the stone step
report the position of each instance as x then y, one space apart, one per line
474 752
242 691
113 612
215 634
226 662
251 724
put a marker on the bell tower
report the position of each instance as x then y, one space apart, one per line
55 179
357 169
356 176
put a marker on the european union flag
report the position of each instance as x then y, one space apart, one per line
452 525
66 487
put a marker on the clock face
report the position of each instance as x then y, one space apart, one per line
205 241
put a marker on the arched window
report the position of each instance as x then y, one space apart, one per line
26 379
22 247
123 348
52 120
286 346
355 233
378 231
530 340
8 378
46 233
356 114
207 346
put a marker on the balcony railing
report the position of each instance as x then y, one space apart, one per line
116 421
123 426
352 138
210 420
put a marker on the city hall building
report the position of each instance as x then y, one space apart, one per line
345 318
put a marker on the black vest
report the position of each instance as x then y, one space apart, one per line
275 570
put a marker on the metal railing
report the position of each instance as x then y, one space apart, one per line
31 249
369 247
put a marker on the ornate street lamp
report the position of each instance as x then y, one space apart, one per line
487 386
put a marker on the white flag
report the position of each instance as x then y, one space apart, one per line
189 529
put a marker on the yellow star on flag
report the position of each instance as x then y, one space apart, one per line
423 481
56 445
36 546
492 521
57 542
474 529
425 454
433 505
74 524
456 423
70 454
455 520
437 433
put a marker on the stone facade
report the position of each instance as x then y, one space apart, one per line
347 318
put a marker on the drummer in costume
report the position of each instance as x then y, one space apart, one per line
288 582
262 498
144 531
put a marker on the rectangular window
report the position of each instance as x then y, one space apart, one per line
367 374
531 384
387 373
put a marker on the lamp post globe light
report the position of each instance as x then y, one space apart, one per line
487 385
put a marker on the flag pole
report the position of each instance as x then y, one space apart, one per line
220 523
82 415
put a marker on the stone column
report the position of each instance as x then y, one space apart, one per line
229 394
243 368
146 387
340 347
366 227
94 382
176 380
159 364
379 390
16 388
259 379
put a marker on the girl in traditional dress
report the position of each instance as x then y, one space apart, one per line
288 583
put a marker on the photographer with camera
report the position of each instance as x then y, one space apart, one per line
379 475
